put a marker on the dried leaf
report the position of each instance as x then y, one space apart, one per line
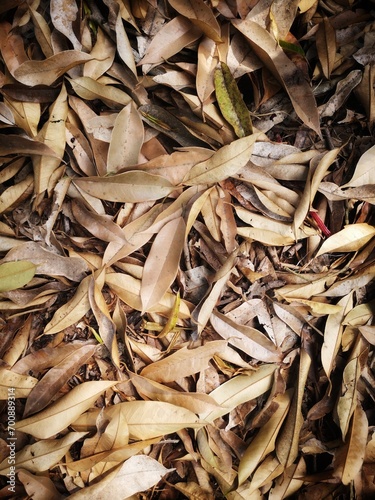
193 401
200 15
46 389
145 419
182 363
38 487
364 172
162 263
170 39
126 140
271 54
90 89
72 311
326 46
14 384
349 458
131 187
240 389
264 441
47 262
63 412
46 72
42 455
247 339
350 239
63 15
134 476
224 163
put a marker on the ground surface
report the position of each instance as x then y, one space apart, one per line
187 243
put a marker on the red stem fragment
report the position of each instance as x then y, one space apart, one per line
324 229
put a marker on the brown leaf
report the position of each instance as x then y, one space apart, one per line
162 262
170 39
349 457
47 388
132 187
182 363
270 53
200 15
326 46
48 262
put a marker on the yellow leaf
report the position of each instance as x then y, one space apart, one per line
16 274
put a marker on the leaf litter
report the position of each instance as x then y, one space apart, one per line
187 249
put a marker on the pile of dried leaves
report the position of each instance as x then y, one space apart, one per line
187 249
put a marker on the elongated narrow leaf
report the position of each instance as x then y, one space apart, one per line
349 458
193 401
72 311
46 72
245 338
326 46
45 390
132 187
200 15
15 384
162 262
135 475
15 144
66 410
333 333
291 77
264 442
224 163
183 363
350 239
126 139
145 419
231 102
240 389
43 455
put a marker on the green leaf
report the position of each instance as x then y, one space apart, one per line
16 274
230 101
